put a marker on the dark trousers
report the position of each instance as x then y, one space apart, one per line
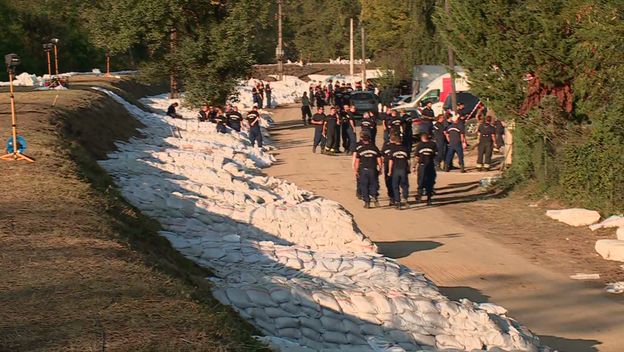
407 141
500 140
221 128
348 138
336 140
374 136
268 100
306 113
484 150
388 181
426 178
255 136
441 145
235 126
368 184
331 135
400 184
318 137
450 154
386 135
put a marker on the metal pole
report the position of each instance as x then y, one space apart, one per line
49 65
351 53
13 118
363 54
56 60
451 61
280 50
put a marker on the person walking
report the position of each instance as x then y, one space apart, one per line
255 133
440 140
234 118
499 129
456 137
347 125
385 121
366 167
386 149
487 142
306 112
398 169
331 130
318 96
407 130
424 167
318 121
369 125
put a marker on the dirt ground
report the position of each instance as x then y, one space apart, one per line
475 246
81 269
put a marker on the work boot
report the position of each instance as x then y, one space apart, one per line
463 171
429 201
418 198
479 169
367 205
376 202
391 203
314 150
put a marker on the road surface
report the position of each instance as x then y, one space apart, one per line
569 315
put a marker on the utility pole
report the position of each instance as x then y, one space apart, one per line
351 53
451 62
280 50
173 43
363 54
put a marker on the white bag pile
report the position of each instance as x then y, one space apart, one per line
294 265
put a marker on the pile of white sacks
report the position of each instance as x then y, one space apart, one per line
288 91
295 265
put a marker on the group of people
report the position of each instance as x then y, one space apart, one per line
227 119
261 93
437 143
335 93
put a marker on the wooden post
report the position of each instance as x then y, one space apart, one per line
174 93
56 59
280 44
108 64
363 54
351 53
49 65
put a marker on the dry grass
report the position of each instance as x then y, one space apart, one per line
81 269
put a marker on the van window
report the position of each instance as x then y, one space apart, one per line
431 96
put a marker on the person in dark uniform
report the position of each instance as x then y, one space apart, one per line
385 153
255 133
348 129
267 92
440 140
220 120
358 146
202 116
330 131
487 142
426 152
387 117
171 111
366 166
398 170
369 125
306 112
499 129
427 111
234 118
407 130
456 137
212 113
318 96
260 94
318 121
396 124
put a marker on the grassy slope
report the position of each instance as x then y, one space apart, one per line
81 269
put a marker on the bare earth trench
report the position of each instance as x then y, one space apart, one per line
568 315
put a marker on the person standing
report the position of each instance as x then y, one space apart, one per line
234 118
456 137
426 152
331 130
330 92
306 112
387 117
386 149
318 96
347 125
255 96
366 167
318 121
428 110
487 141
255 133
369 125
499 129
267 92
311 94
396 124
260 94
398 169
407 130
440 140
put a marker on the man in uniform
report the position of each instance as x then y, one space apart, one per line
428 110
234 118
440 140
387 117
500 132
255 133
348 129
407 130
220 120
318 121
456 137
386 149
426 152
369 125
366 166
330 130
306 112
202 116
398 170
487 141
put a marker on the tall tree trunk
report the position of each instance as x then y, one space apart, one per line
173 42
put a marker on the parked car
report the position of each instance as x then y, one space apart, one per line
401 99
365 101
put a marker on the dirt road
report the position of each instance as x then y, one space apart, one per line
568 315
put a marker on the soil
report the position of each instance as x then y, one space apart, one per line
81 269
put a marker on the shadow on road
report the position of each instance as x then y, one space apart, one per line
402 249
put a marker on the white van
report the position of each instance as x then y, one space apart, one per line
436 92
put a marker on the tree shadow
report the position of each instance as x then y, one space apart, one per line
402 249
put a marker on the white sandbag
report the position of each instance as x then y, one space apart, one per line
574 216
612 221
611 249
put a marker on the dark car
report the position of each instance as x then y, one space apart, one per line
365 101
